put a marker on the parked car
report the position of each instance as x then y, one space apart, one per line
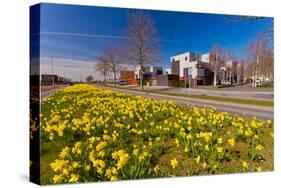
258 80
123 82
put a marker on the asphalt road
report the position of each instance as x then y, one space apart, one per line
250 110
253 95
47 93
238 92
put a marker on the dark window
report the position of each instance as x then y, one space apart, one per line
159 72
185 58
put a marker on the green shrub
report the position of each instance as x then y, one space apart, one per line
175 83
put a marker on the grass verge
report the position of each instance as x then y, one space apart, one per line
205 97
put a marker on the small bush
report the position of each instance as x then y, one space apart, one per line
175 83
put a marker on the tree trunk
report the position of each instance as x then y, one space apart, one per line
114 79
238 79
105 80
141 80
254 80
215 79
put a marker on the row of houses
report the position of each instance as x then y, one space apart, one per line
187 68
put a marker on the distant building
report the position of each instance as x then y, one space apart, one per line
48 79
127 77
149 72
230 72
227 74
192 66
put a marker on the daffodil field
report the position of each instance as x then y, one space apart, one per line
90 134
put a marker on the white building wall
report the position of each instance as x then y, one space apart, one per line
183 64
185 61
137 72
155 69
194 69
148 69
205 58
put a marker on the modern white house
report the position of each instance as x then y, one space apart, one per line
192 66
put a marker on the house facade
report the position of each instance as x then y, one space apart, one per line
192 67
149 72
127 77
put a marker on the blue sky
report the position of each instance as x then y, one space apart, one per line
81 32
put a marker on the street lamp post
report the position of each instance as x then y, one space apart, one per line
189 80
53 76
223 70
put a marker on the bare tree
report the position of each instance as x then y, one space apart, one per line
112 57
252 69
239 71
269 68
216 61
141 43
229 57
249 72
89 78
259 54
103 68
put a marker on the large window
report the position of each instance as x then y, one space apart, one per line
200 72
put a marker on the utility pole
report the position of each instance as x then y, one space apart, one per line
53 76
256 72
185 77
223 75
189 80
230 77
